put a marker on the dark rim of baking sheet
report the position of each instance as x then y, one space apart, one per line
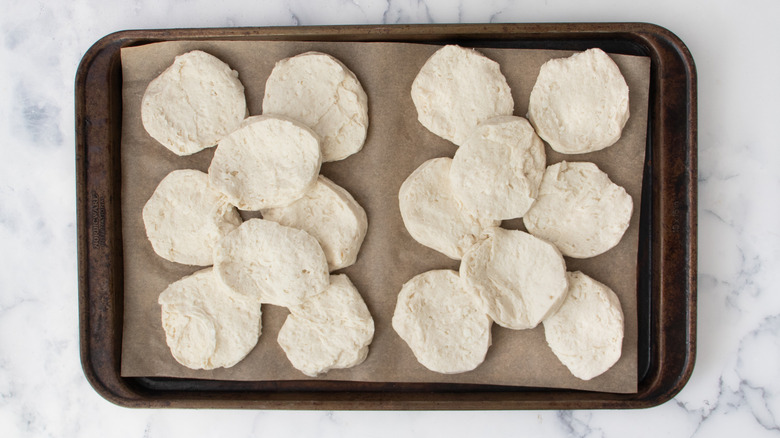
666 277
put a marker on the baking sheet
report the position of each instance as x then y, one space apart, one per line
396 145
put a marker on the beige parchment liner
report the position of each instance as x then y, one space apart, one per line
395 146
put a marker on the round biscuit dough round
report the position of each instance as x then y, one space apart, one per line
193 103
185 218
206 325
276 264
586 333
519 279
268 162
433 215
579 210
457 89
331 330
579 104
324 94
497 171
332 216
442 323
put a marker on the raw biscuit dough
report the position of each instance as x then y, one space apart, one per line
519 279
206 325
193 103
432 214
579 104
457 89
185 218
332 216
497 171
442 323
579 210
268 162
276 264
325 95
586 334
328 331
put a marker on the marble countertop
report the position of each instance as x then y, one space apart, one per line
735 387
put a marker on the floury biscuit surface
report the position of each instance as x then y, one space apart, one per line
443 324
328 331
193 103
322 93
272 263
332 216
519 279
185 218
457 89
586 333
579 210
206 325
497 171
579 104
433 215
268 162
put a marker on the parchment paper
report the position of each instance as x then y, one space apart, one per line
396 145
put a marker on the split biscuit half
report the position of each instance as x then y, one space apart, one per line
193 103
272 263
457 89
497 171
586 333
580 210
330 214
322 93
269 161
442 323
328 331
206 325
518 278
185 218
579 104
433 215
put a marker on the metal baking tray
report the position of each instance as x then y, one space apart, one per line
667 244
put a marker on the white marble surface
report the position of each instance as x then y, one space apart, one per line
735 388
